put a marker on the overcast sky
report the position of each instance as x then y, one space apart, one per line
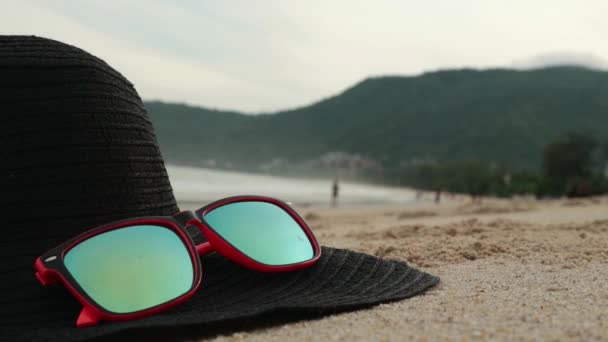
270 55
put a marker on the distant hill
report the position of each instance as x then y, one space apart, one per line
497 115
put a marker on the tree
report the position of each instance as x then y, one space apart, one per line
604 158
566 162
569 157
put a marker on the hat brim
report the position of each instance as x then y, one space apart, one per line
342 280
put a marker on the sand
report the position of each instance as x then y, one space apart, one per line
510 270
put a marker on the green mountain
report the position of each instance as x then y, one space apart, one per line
499 115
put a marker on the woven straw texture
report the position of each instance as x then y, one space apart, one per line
78 150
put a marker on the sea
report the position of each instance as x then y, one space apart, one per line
194 187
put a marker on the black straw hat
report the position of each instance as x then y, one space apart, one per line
78 150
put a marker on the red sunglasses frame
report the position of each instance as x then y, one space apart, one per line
50 267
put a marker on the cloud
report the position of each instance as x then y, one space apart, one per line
158 73
269 55
562 58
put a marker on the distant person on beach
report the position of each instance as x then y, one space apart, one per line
335 189
437 196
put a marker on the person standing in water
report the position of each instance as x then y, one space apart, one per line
335 188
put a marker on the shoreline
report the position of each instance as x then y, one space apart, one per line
198 186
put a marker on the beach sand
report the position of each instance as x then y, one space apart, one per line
510 270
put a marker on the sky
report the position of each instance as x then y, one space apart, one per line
268 55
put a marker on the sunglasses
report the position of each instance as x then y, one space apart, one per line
137 267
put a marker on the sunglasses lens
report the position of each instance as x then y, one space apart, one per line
133 268
262 231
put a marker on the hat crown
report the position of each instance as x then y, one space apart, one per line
78 147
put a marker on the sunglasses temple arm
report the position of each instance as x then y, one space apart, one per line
187 217
204 248
183 217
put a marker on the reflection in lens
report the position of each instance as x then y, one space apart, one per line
133 268
262 231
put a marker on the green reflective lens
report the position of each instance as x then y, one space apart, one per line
262 231
133 268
